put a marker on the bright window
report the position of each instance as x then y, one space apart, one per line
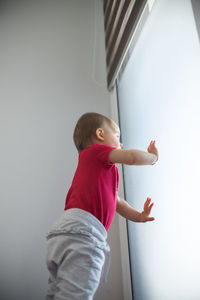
159 98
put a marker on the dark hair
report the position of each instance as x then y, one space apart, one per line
85 129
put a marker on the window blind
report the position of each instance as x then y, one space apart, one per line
121 19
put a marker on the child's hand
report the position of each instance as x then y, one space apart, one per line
144 216
152 149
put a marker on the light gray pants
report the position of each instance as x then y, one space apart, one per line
76 247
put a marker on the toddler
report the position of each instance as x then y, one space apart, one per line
76 243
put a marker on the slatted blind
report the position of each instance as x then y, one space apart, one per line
121 18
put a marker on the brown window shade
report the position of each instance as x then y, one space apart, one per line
121 18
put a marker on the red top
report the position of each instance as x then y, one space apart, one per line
95 184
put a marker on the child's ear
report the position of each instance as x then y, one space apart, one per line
100 134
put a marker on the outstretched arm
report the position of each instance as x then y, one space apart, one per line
135 157
128 212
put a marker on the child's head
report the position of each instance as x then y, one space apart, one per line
95 128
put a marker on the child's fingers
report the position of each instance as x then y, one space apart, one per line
147 202
150 145
153 144
148 205
150 219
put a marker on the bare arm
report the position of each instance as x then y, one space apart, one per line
135 157
128 212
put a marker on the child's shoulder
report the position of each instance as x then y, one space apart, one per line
97 146
97 152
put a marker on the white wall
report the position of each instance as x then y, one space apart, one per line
159 96
52 70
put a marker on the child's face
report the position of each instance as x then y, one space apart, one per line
112 135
